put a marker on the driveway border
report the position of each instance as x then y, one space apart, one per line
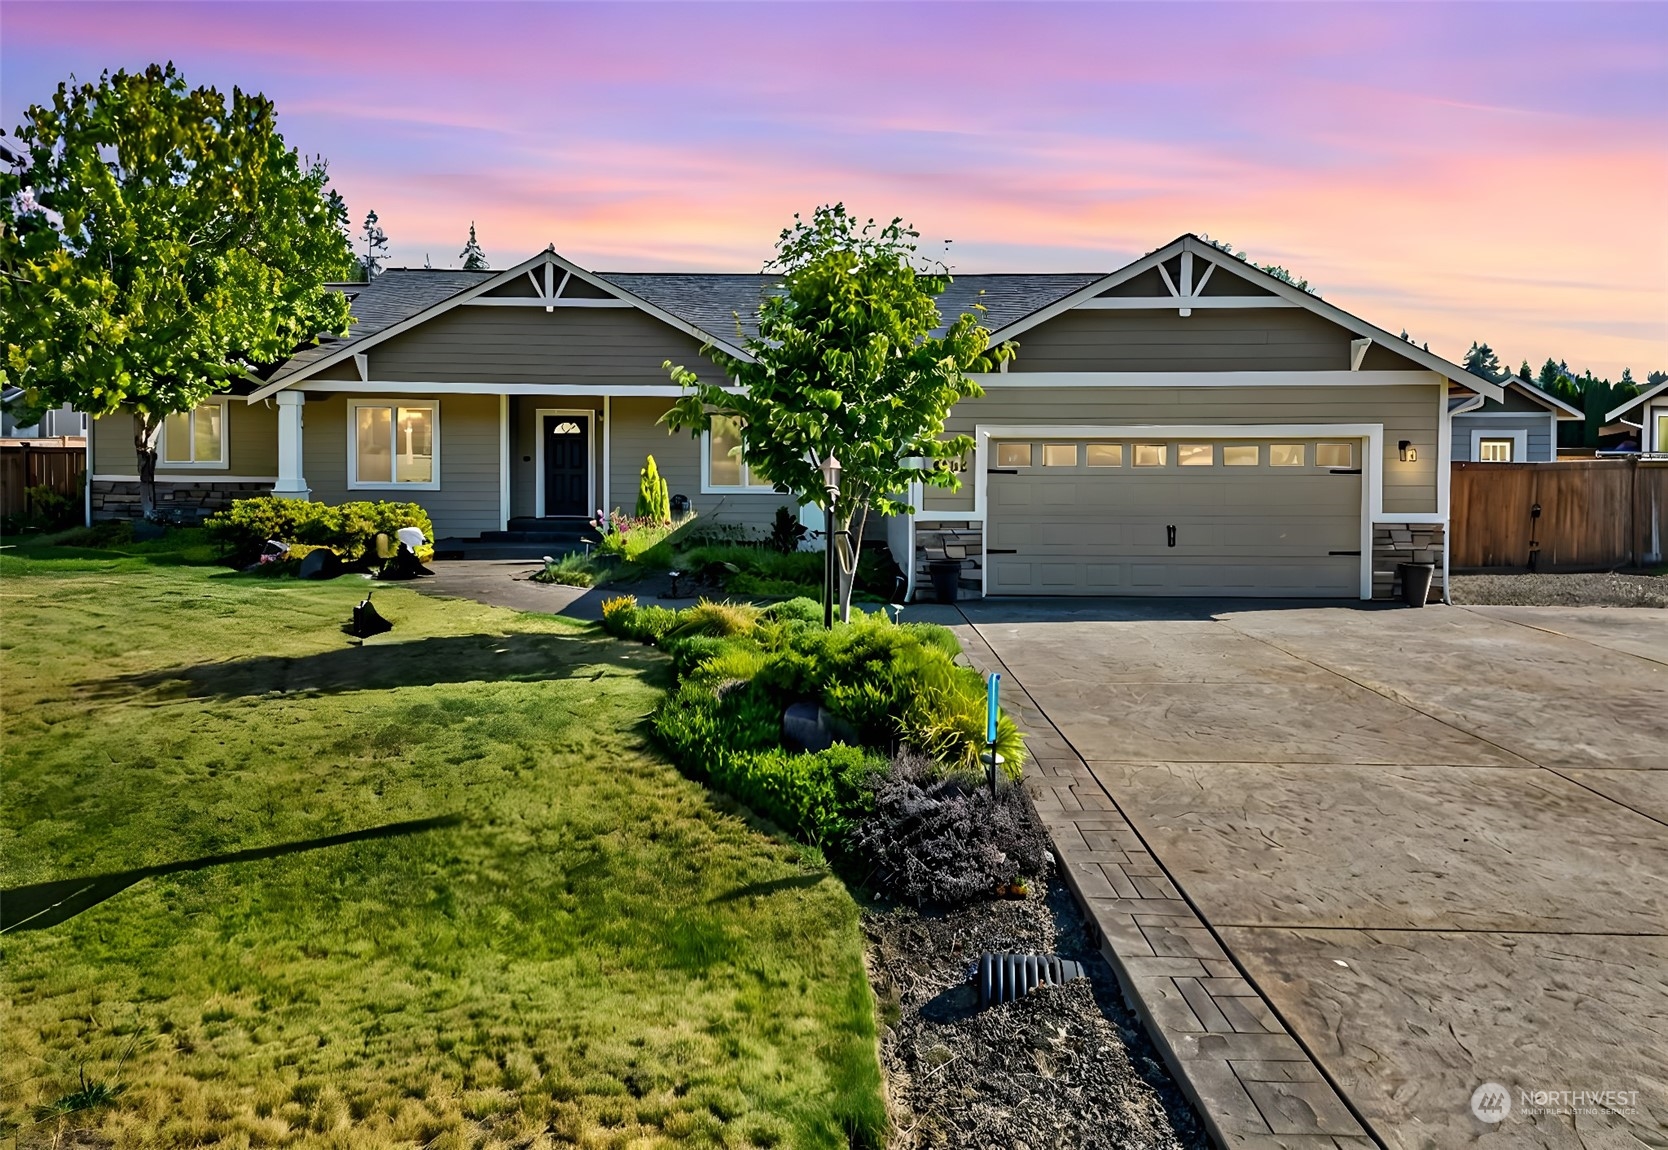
1252 1082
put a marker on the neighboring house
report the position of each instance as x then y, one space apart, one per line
1647 411
1521 428
1186 425
53 424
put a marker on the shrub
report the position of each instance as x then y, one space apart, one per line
654 501
943 839
571 570
800 610
786 531
615 611
709 618
350 529
819 796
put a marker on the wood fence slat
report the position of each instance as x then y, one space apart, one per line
24 465
1594 514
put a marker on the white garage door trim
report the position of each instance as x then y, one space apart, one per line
1372 466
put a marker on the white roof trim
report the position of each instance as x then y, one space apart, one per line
1638 399
1565 411
546 258
1198 247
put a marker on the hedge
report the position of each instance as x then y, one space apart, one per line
349 529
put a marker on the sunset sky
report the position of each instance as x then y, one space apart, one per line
1479 171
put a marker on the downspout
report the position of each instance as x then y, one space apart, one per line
87 475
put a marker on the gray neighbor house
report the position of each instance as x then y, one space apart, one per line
1186 425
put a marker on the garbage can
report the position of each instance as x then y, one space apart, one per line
946 578
1416 582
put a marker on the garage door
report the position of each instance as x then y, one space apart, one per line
1174 517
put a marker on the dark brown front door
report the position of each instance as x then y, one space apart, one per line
567 464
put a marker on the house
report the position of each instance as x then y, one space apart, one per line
1186 425
54 423
1647 411
1521 428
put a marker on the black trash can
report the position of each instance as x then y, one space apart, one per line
946 578
1416 582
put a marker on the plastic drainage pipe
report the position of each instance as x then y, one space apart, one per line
1006 977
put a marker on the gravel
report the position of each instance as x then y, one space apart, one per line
1605 589
1066 1068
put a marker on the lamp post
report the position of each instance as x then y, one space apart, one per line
830 468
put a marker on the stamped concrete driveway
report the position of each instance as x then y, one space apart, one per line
1436 840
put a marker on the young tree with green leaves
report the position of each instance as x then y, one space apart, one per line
159 243
845 367
474 259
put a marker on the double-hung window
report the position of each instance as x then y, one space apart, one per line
195 438
726 470
394 444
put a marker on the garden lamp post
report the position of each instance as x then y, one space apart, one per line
830 468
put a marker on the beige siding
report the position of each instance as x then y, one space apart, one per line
638 434
1161 339
1407 412
530 345
467 502
251 445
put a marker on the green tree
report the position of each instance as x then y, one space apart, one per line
1524 373
1549 373
1481 360
845 365
158 244
376 246
653 500
474 259
1655 378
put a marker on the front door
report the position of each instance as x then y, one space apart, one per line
567 464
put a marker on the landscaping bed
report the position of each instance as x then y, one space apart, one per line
1065 1068
1600 589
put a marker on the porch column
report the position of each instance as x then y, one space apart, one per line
291 484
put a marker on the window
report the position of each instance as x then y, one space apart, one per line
1334 455
1494 450
195 438
1286 455
725 466
1013 455
1106 455
1661 443
1059 455
1150 454
394 445
1195 455
1241 455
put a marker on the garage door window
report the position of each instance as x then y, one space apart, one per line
1059 455
1286 455
1106 455
1013 455
1241 455
1195 455
1334 455
1150 454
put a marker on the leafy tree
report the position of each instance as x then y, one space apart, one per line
376 246
1481 360
474 259
169 244
845 365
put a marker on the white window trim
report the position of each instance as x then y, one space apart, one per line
1518 436
708 487
590 415
353 481
224 463
1655 442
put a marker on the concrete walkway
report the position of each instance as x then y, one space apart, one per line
1434 842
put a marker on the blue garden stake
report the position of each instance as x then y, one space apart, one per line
992 693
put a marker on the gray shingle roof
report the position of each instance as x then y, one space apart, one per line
708 302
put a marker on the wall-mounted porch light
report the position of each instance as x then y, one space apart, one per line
1409 453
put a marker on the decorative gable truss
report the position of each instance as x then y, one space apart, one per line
1184 279
550 285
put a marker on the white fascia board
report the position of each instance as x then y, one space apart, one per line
545 258
1642 397
1090 291
431 387
1033 379
1171 302
1546 400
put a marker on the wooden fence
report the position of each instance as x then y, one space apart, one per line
54 464
1578 515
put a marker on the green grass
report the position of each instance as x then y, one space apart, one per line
594 951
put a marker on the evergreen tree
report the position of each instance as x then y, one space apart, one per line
474 259
1523 373
1655 378
1548 377
376 246
1481 360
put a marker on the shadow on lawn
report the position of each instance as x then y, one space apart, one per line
383 665
47 904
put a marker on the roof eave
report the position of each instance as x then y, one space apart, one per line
1636 401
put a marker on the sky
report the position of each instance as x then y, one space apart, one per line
1494 171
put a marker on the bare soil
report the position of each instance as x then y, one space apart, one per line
1066 1068
1602 589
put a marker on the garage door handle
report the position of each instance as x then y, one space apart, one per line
1172 530
1346 471
1001 551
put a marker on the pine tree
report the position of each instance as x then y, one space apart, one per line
376 246
474 259
1524 374
1549 373
1481 360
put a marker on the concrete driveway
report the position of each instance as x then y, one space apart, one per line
1436 840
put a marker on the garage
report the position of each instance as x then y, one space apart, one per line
1149 515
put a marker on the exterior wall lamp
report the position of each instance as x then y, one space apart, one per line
1409 453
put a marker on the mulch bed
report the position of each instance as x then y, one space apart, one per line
1602 589
1067 1067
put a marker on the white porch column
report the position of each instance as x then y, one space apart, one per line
291 484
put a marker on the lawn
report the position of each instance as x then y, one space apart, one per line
576 946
